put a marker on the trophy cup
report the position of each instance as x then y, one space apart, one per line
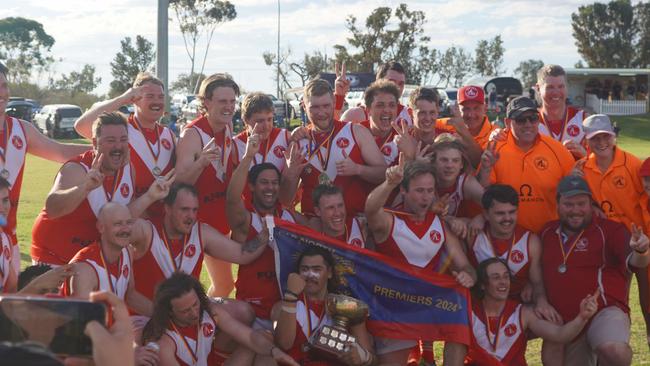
330 341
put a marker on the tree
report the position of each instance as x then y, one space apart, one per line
78 82
489 57
607 34
199 18
377 42
185 83
132 59
527 71
24 45
454 65
271 59
642 15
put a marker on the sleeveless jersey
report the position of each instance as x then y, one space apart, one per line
211 184
57 240
194 343
256 281
510 344
317 317
572 128
419 244
456 194
271 150
355 234
386 145
5 260
354 188
517 256
14 151
148 156
107 279
157 264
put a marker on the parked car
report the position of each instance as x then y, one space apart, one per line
21 109
57 120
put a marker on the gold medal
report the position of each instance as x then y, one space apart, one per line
323 178
4 173
156 171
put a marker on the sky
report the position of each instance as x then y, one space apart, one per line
89 31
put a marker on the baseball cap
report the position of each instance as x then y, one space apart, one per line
644 171
572 185
471 93
520 105
597 123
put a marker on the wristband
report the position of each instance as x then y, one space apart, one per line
289 309
289 300
291 293
339 100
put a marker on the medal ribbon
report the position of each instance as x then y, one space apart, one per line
117 178
165 240
157 144
494 342
566 121
112 285
565 253
320 317
195 351
328 140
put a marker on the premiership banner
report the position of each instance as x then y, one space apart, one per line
405 302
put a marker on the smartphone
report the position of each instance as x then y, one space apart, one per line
56 323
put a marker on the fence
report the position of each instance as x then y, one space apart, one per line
623 107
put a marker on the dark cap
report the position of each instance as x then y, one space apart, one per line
572 185
520 105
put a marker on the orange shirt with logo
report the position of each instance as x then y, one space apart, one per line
481 138
535 174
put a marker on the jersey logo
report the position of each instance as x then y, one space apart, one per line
6 252
573 130
124 190
525 190
356 242
342 142
510 330
208 329
619 181
435 236
125 271
278 151
541 163
190 250
471 92
582 244
166 144
517 256
607 207
17 142
386 150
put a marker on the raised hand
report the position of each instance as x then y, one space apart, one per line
209 153
347 167
405 142
589 305
296 161
575 148
132 95
463 278
490 156
159 189
395 173
499 134
578 168
341 84
295 283
252 145
299 133
639 241
94 176
423 153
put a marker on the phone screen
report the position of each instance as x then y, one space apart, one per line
58 324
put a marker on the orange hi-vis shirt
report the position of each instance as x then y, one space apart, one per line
481 138
618 190
535 174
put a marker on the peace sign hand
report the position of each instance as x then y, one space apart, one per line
94 176
296 161
405 142
639 241
395 173
341 84
490 156
252 145
159 189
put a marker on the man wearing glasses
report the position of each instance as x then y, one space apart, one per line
530 162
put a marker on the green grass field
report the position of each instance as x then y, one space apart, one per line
634 137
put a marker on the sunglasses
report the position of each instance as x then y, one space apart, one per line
533 118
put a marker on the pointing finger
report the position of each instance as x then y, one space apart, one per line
343 71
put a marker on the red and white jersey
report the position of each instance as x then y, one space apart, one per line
312 316
386 145
322 159
354 233
152 151
213 181
516 254
193 343
57 240
115 278
508 342
419 244
161 261
5 259
256 282
14 162
572 128
456 194
271 150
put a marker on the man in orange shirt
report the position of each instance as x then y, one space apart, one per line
473 111
530 162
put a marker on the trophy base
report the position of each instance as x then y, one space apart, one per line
330 342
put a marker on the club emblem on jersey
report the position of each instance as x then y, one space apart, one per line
516 256
125 190
278 151
435 236
619 181
471 92
190 250
573 130
510 330
125 271
541 163
356 242
582 244
166 144
607 207
208 329
342 142
6 252
386 150
17 142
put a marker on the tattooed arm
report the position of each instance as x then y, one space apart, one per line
219 246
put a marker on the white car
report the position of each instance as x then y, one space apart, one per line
57 120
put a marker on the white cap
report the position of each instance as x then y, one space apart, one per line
597 123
